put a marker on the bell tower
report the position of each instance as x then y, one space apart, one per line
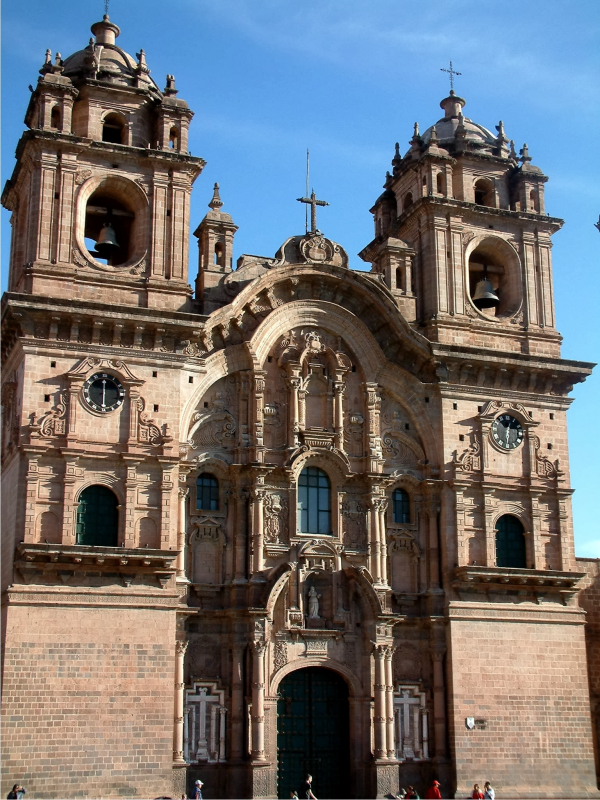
101 195
463 238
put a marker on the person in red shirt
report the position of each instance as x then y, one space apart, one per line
434 793
477 793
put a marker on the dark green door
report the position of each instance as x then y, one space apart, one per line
313 734
98 517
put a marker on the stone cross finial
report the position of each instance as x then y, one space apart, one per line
313 202
452 72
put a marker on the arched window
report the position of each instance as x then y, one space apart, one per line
207 492
218 254
484 193
401 506
440 183
56 118
98 517
112 129
174 138
408 201
534 201
510 543
314 501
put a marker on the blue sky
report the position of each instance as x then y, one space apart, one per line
268 79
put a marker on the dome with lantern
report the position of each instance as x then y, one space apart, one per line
103 60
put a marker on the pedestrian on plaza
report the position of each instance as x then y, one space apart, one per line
477 794
307 788
411 793
488 791
434 792
17 792
197 794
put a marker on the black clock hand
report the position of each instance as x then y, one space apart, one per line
104 392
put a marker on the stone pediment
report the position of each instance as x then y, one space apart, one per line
312 248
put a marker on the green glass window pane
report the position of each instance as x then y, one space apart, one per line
401 504
207 492
314 501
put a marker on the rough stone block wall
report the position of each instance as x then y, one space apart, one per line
521 674
589 600
99 681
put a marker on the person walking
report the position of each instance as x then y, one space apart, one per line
434 792
477 794
411 793
197 794
307 788
488 791
17 792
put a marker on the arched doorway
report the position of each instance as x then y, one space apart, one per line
510 543
98 517
313 733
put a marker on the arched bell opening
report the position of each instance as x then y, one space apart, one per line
111 219
494 278
56 118
484 193
113 129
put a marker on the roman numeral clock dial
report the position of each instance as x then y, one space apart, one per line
103 392
507 432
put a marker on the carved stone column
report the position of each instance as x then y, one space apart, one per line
259 423
439 700
379 719
237 703
69 482
258 497
294 411
374 540
433 551
180 648
239 506
130 503
383 558
258 701
166 490
182 525
339 389
31 482
389 700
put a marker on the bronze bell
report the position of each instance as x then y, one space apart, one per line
485 296
107 241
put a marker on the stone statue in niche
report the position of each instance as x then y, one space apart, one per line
313 603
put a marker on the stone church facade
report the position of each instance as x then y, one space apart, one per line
298 517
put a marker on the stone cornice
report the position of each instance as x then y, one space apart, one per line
59 562
538 584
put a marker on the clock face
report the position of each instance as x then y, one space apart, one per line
103 392
507 432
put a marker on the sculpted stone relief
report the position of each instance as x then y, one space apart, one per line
276 510
214 426
399 447
354 527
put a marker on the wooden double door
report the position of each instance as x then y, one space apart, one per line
313 734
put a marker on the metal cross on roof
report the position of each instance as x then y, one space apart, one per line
106 7
313 202
452 73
